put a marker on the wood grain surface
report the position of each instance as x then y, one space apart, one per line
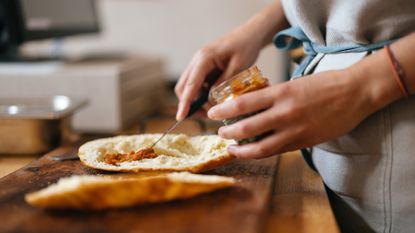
10 163
243 208
299 202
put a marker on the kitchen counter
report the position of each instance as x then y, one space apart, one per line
278 194
9 163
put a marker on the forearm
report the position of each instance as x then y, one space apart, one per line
267 22
376 75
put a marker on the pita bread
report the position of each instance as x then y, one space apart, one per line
102 192
175 152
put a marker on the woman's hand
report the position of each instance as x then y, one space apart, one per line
232 53
316 108
303 112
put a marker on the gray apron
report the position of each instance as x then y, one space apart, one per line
368 173
372 168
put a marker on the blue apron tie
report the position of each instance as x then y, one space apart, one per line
294 37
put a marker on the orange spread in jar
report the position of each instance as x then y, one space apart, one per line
239 87
249 80
116 158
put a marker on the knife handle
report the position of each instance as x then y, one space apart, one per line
204 93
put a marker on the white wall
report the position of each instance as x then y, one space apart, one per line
174 29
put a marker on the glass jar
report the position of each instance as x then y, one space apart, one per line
247 81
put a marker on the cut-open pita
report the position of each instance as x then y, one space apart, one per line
101 192
175 152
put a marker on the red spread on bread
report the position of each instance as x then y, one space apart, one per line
116 158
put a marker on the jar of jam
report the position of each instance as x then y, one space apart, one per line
247 81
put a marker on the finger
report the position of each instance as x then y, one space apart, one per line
296 143
182 109
291 147
192 86
247 103
233 67
252 126
207 106
229 70
268 146
179 92
178 89
201 114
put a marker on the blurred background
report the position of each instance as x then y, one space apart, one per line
105 66
171 29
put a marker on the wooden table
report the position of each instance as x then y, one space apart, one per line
278 194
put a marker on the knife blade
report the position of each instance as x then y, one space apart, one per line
199 102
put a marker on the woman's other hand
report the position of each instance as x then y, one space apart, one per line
232 53
306 111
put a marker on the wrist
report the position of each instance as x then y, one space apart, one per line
264 25
402 51
376 80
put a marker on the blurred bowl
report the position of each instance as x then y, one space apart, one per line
35 125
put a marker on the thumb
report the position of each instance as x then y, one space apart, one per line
233 68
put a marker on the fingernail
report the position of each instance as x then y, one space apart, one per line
179 117
211 113
220 131
179 112
232 149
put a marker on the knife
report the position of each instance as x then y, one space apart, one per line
199 102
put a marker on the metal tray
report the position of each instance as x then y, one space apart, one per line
35 125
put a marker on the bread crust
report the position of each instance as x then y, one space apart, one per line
102 192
